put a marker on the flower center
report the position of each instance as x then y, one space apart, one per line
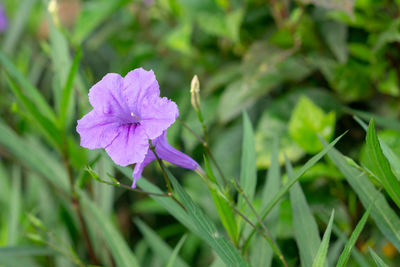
135 117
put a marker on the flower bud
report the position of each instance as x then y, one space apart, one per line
195 92
53 10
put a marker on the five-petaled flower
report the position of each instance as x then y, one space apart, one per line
127 113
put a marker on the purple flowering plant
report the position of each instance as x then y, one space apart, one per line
127 113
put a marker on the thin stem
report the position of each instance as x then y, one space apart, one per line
118 184
165 175
268 237
206 147
76 206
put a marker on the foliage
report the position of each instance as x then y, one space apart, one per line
293 175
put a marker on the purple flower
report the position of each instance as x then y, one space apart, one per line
127 112
165 152
3 20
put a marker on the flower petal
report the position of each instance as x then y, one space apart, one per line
130 146
157 115
139 84
97 130
106 97
170 154
137 171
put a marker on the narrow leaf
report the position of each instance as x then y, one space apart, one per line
160 249
248 172
31 91
208 230
68 88
118 247
304 224
386 219
381 166
296 176
174 255
379 262
344 257
320 258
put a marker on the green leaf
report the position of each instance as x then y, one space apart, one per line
344 257
381 166
248 169
29 90
224 210
263 253
68 88
46 126
387 139
222 24
296 176
335 35
304 225
208 230
43 162
379 262
161 249
174 255
18 22
320 258
386 219
307 121
118 247
14 211
93 14
60 59
383 121
18 251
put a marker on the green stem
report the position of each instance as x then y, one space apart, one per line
165 175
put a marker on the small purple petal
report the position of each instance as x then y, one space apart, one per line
157 115
167 153
137 171
172 155
130 146
97 130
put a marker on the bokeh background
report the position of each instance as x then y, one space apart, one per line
297 67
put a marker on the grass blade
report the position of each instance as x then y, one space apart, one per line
387 151
118 247
207 229
296 176
93 14
320 258
67 91
167 203
224 210
248 169
344 257
161 249
46 126
305 227
386 219
14 211
263 253
381 166
31 91
174 255
379 262
43 161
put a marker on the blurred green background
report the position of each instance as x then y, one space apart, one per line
297 67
